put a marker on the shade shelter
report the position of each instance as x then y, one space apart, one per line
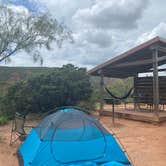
146 57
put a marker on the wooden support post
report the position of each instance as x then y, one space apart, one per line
135 104
101 92
113 112
155 83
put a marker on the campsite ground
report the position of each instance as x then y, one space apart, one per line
145 143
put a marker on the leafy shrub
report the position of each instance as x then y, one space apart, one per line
119 87
68 85
3 119
89 105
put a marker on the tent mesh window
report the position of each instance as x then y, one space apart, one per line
73 126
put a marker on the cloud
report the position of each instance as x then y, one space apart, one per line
159 30
100 38
63 10
18 9
101 29
110 14
32 6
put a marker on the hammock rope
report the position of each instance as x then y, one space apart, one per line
119 98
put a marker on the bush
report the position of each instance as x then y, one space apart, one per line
65 86
4 119
119 87
89 105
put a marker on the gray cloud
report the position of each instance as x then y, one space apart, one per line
159 30
100 38
63 10
110 14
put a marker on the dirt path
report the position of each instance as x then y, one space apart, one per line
145 143
7 152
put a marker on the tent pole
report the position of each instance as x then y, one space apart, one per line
155 83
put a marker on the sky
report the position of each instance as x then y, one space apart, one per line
101 28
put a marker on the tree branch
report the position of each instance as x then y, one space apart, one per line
7 56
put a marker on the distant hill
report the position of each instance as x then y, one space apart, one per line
10 75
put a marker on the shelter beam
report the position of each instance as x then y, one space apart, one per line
162 49
138 63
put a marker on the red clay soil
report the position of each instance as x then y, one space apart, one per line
145 143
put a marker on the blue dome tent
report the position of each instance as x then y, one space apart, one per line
73 138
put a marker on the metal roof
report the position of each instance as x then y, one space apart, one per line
133 61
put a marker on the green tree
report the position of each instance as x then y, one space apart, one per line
120 86
68 85
29 33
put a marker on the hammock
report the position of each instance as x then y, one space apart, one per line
119 98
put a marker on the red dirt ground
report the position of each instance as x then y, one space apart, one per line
145 143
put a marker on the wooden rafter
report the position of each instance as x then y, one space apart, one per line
137 63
